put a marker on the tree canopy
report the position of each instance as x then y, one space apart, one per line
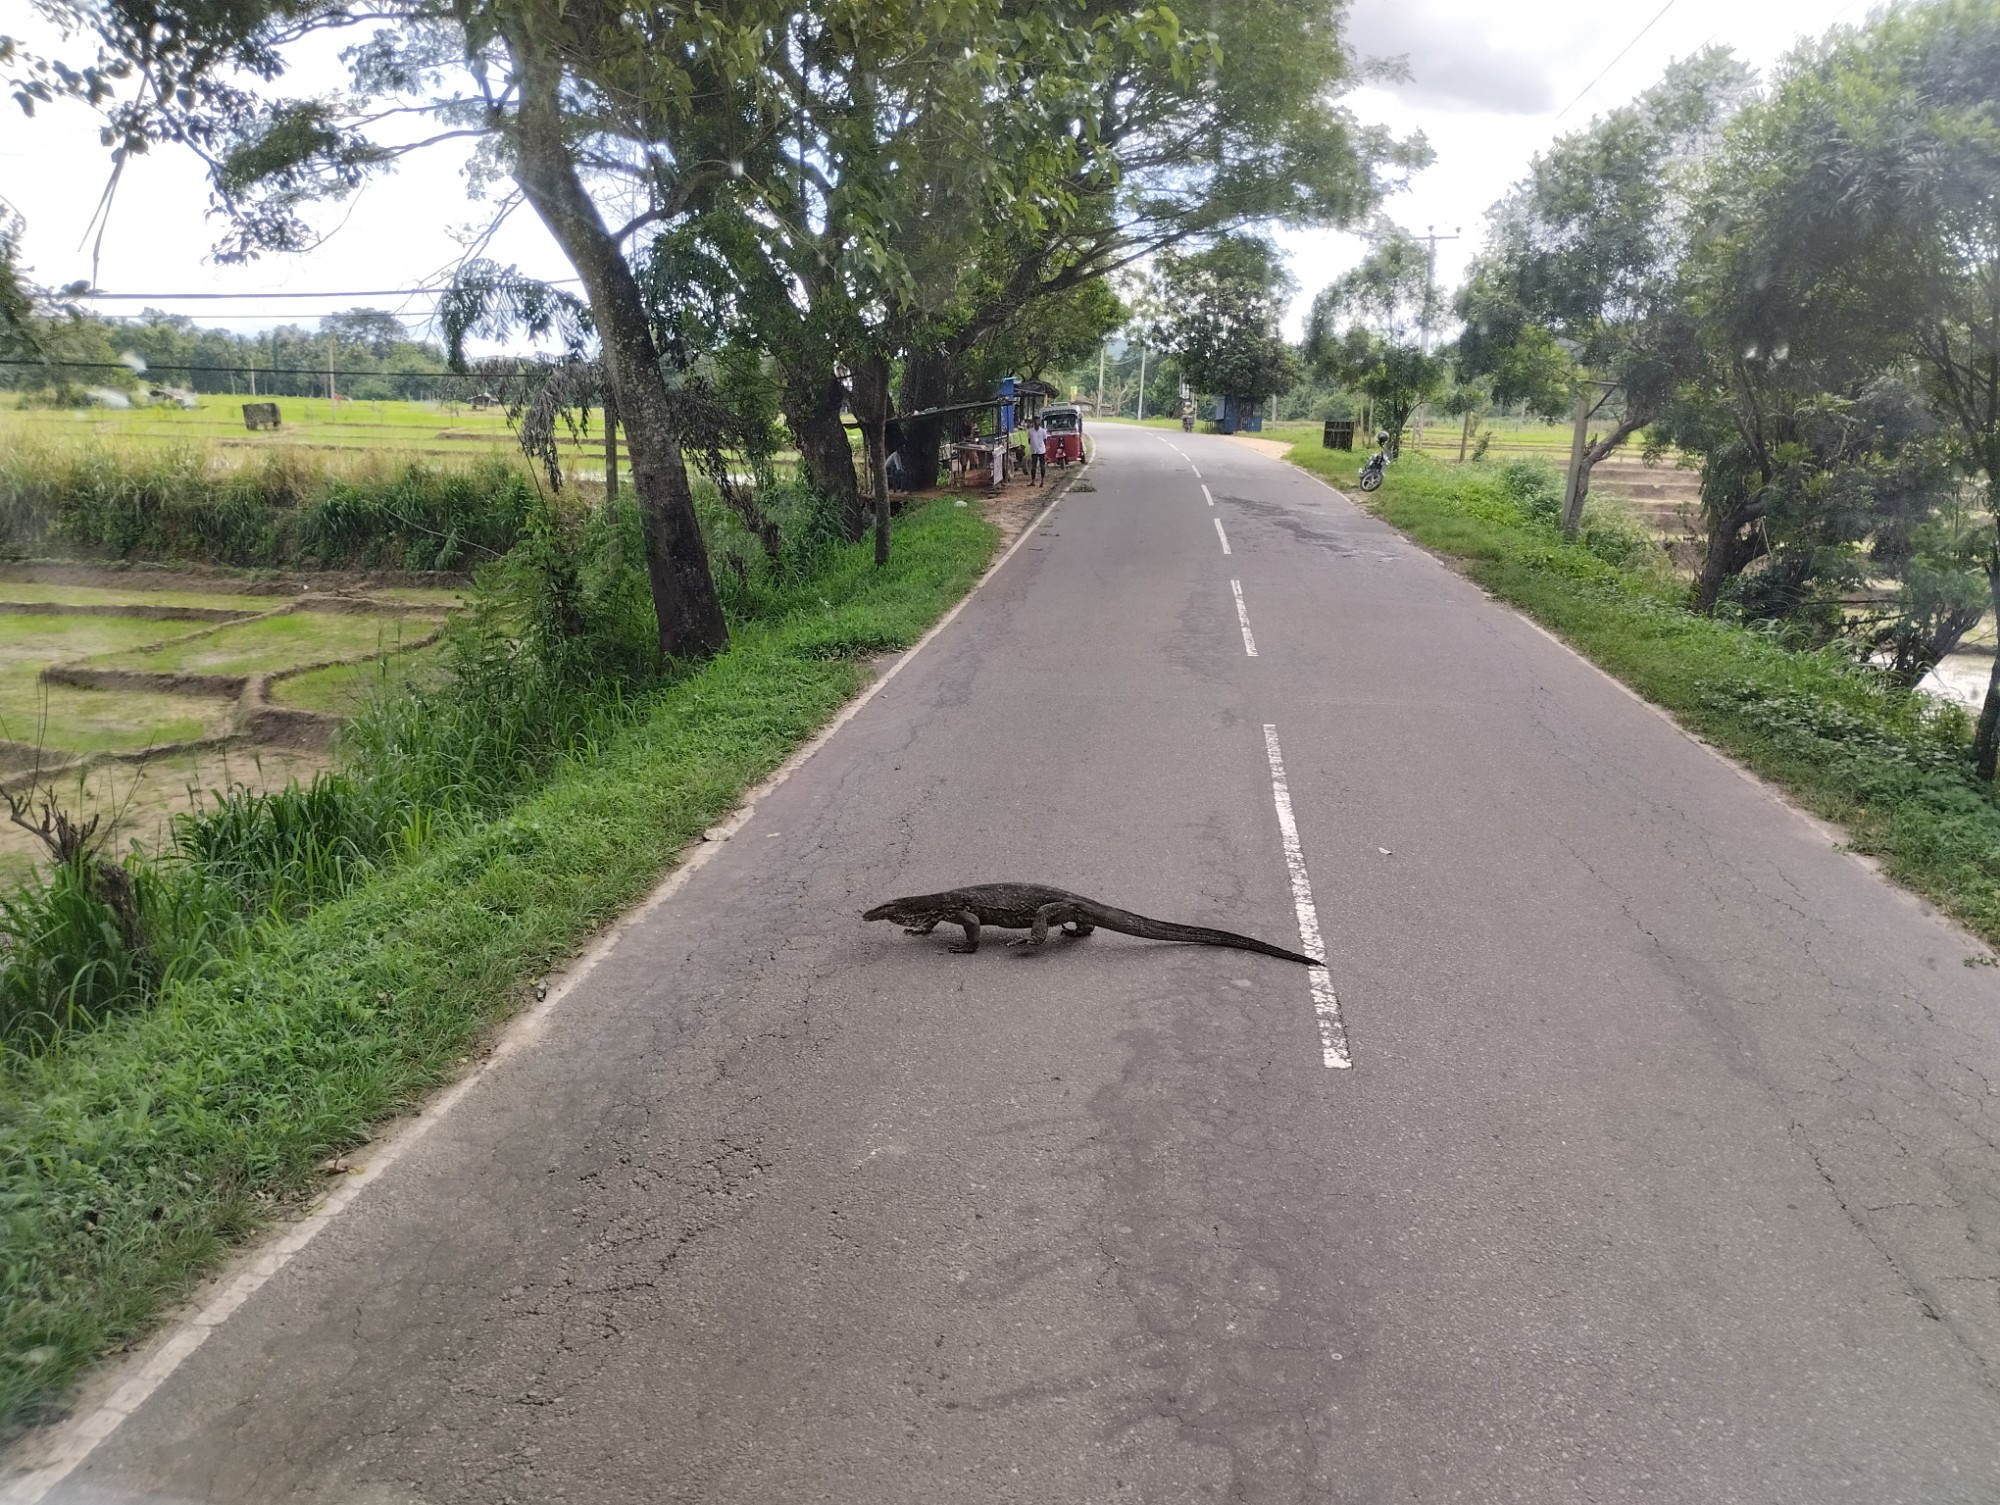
1221 311
1371 328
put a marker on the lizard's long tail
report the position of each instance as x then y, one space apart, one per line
1126 923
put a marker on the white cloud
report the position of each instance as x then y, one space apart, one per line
1455 61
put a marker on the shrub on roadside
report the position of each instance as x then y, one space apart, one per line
286 507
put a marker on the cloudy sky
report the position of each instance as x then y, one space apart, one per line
1491 83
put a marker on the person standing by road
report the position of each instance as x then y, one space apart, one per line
1038 451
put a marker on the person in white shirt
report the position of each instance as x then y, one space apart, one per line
1038 452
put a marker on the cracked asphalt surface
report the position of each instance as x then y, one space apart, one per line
1666 1171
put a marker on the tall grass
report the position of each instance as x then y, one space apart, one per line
281 507
556 655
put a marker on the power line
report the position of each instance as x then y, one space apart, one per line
367 292
174 366
1617 60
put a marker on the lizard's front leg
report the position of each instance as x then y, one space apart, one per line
971 923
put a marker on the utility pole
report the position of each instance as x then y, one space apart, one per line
1102 345
1142 379
610 447
332 397
1431 237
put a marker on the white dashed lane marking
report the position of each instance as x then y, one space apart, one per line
1326 1007
1243 619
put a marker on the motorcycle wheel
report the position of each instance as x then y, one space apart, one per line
1370 479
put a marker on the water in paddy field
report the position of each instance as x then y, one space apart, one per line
1961 677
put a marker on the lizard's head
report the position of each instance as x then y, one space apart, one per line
911 911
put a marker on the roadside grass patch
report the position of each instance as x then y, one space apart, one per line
133 1155
1892 766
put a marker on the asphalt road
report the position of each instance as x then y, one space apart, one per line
1665 1170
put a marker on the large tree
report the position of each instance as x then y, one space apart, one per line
1875 203
1580 287
1222 305
1248 128
614 124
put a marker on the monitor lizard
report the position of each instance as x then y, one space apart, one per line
1034 907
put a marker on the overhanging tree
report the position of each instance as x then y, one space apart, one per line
612 124
1177 145
1877 204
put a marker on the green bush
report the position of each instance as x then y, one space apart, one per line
284 508
67 962
276 854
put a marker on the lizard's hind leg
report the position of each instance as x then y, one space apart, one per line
1053 914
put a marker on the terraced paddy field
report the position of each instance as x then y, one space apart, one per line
264 645
132 697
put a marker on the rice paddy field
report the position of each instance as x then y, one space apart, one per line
95 696
413 429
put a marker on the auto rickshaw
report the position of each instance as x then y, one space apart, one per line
1065 426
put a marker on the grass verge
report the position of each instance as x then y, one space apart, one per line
133 1156
1891 766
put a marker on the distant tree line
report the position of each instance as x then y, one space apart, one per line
370 350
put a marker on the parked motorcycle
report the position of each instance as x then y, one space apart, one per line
1371 473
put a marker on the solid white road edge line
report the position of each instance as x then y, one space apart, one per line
1221 535
74 1440
1326 1007
1243 619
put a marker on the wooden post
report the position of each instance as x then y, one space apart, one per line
1572 495
610 448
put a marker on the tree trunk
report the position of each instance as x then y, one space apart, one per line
1986 740
685 604
871 406
1586 460
1726 555
926 384
811 403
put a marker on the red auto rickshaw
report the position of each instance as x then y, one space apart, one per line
1065 426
